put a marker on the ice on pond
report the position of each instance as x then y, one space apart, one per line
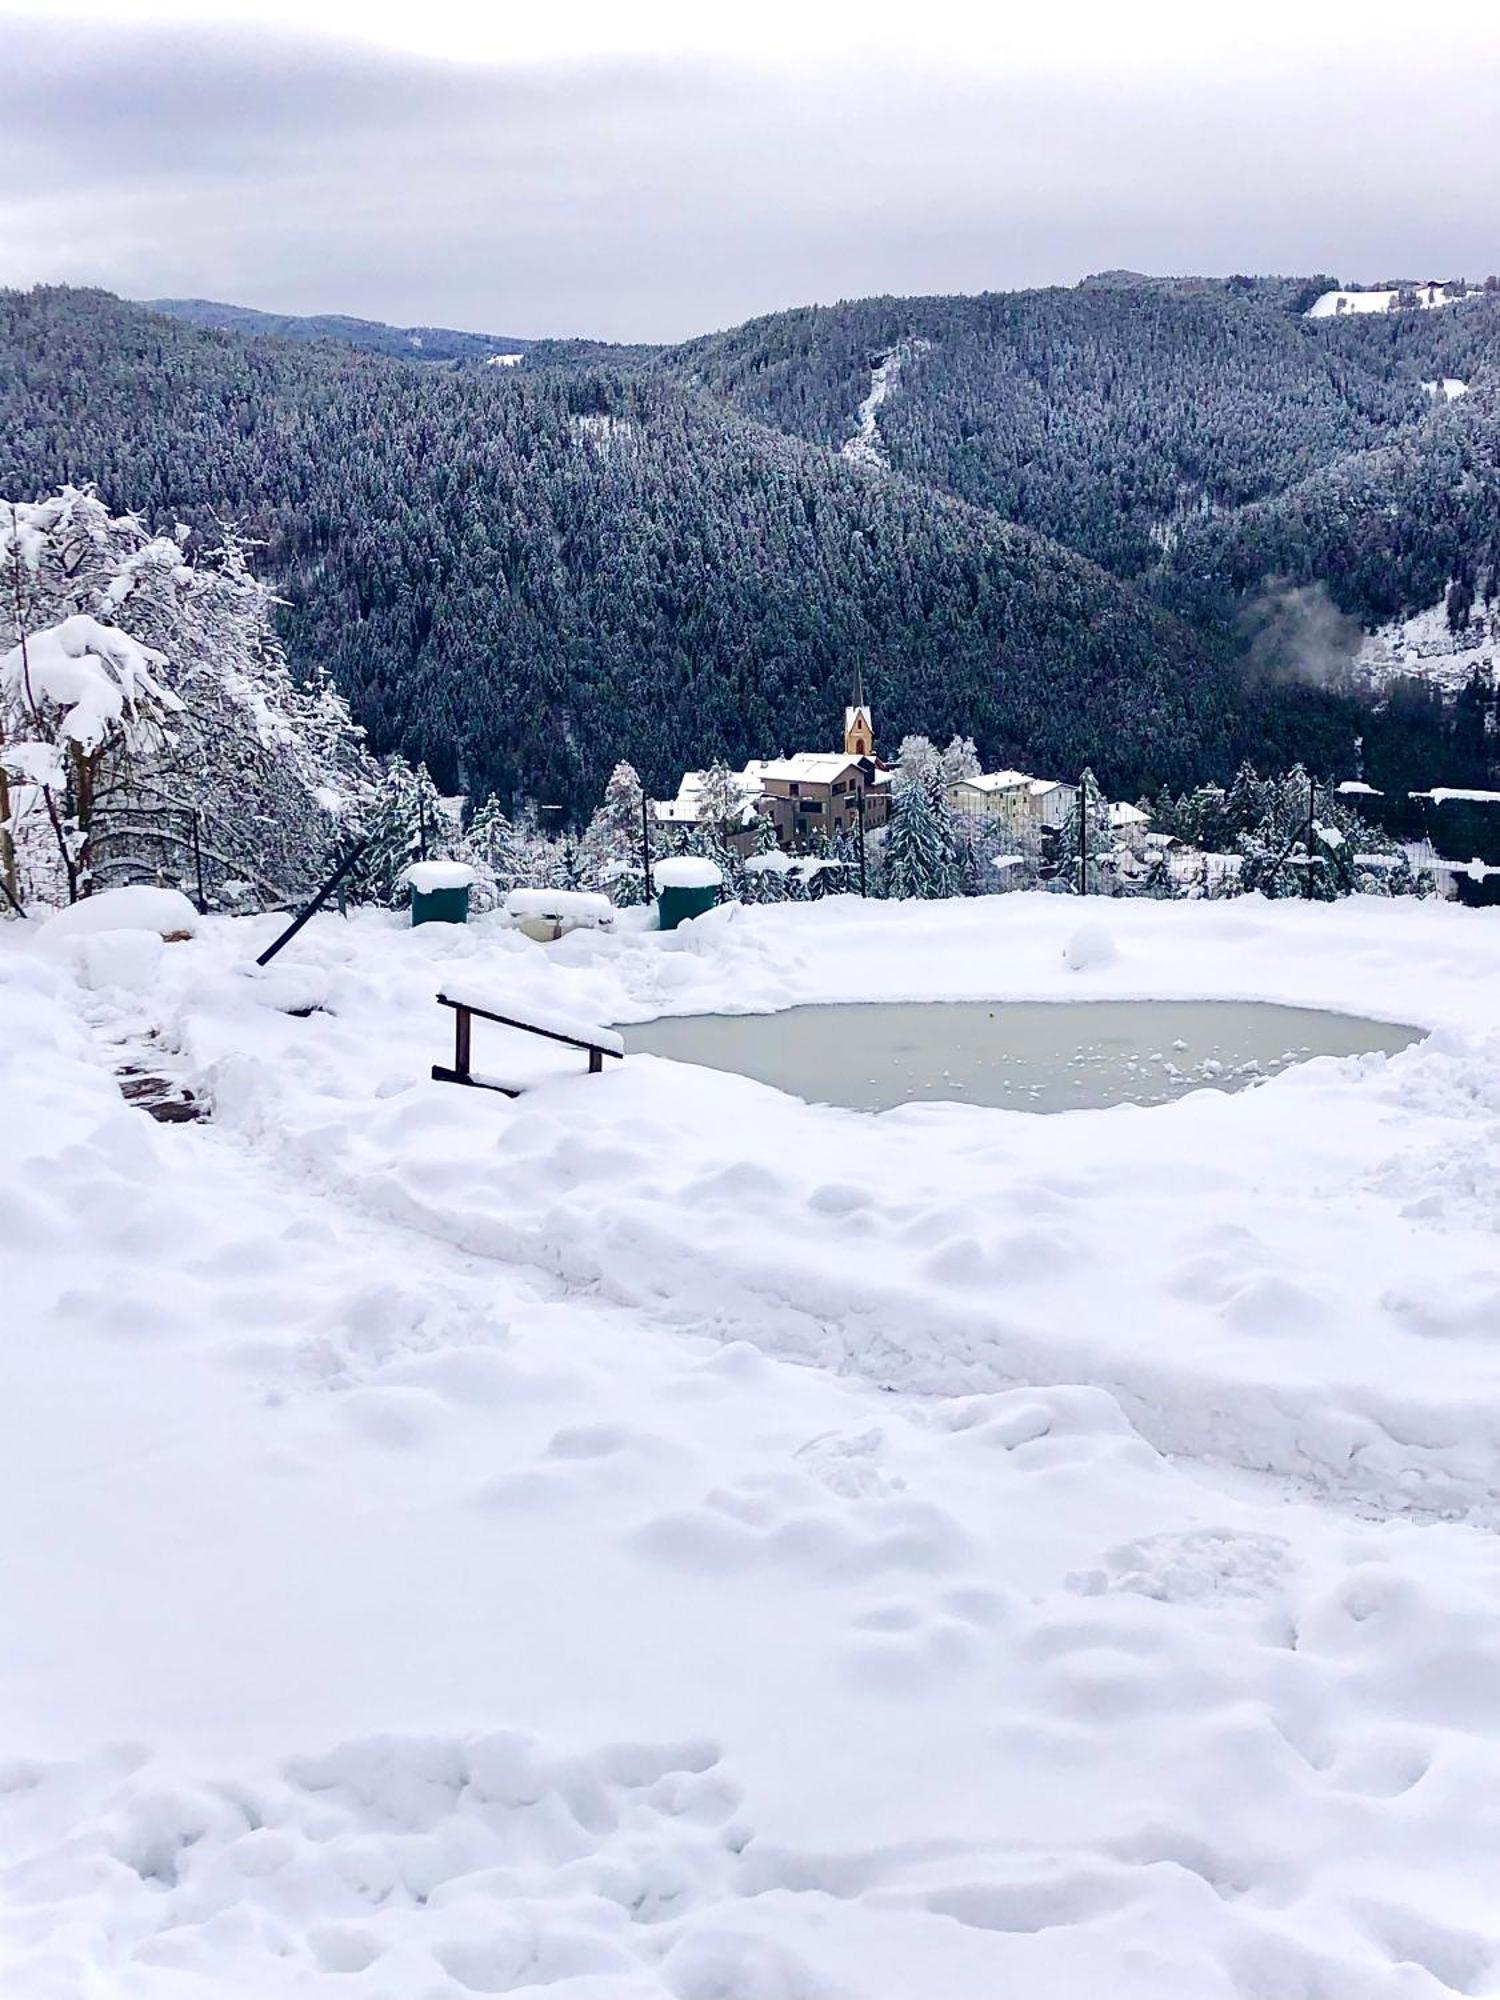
1020 1055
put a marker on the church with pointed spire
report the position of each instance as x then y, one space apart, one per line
810 798
859 728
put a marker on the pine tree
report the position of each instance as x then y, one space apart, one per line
610 854
1083 839
920 849
765 885
404 821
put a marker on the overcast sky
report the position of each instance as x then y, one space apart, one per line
651 171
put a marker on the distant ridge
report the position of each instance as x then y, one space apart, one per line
373 336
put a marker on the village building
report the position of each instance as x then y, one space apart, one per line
1128 824
809 797
687 808
1016 800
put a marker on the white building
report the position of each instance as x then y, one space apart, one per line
1015 799
1129 825
687 808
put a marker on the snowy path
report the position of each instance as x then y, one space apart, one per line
388 1618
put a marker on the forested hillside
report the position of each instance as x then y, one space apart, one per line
413 343
523 576
1384 531
1109 415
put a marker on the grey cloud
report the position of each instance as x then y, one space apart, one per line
651 201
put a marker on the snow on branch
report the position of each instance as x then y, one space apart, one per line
97 678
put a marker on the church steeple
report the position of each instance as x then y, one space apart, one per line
859 729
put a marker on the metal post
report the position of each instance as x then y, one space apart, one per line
1312 807
646 842
859 805
462 1030
198 865
1083 839
316 904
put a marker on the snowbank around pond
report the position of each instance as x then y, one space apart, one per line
658 1540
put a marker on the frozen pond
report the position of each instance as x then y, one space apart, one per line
1023 1055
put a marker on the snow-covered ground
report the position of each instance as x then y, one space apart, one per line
865 447
1426 647
1329 305
657 1540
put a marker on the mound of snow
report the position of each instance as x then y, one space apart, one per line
428 877
1090 946
688 871
455 1546
137 908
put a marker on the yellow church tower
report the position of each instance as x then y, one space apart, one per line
859 730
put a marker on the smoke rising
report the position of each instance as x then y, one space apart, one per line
1297 632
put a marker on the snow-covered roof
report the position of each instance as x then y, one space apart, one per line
995 781
1442 795
686 809
807 767
1122 814
1358 785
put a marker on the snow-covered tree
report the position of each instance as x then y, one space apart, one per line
722 804
920 850
766 881
960 760
919 757
609 855
80 703
1083 839
405 820
260 774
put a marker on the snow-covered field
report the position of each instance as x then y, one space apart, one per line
1329 305
657 1540
1426 647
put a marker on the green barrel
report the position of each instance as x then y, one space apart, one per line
686 886
439 891
440 906
675 906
